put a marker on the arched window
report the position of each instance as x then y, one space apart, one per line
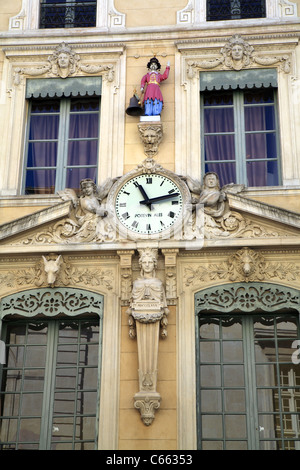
49 396
248 375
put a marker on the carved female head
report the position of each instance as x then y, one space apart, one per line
148 260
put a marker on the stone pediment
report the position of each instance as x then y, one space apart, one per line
242 220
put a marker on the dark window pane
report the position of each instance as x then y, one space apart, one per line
231 10
85 105
41 154
75 175
218 99
43 127
265 95
218 120
261 146
44 106
262 173
40 182
68 14
219 147
83 125
82 152
259 118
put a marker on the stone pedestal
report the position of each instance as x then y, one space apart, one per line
147 315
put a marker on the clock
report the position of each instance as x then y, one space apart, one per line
150 204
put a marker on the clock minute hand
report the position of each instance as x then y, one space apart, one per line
158 199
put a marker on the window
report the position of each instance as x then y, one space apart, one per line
240 135
62 144
68 13
248 385
235 9
49 391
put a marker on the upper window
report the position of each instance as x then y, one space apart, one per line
239 136
68 13
235 9
62 143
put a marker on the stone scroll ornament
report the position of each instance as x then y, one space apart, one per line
147 315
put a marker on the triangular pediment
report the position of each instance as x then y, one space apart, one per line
22 226
245 219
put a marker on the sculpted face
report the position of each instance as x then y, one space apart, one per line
147 264
150 137
63 60
237 52
211 181
153 66
88 188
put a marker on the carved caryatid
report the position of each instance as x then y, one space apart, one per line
147 313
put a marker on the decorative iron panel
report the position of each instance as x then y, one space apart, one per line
52 302
218 10
68 14
247 298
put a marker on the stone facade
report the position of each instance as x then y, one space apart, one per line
252 237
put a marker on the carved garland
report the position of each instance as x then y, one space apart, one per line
245 265
238 54
63 63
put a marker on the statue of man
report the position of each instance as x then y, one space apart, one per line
153 99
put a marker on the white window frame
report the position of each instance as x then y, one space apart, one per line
195 13
111 142
188 60
29 16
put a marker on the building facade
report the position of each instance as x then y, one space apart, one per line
149 257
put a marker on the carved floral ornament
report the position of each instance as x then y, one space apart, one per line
63 62
57 270
245 265
238 54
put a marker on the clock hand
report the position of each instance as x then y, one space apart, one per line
144 194
158 199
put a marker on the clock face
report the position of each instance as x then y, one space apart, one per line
149 204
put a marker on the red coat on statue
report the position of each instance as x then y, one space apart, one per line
153 79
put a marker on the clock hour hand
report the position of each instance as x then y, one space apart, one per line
158 199
144 194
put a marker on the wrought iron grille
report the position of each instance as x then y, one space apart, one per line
235 9
68 14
